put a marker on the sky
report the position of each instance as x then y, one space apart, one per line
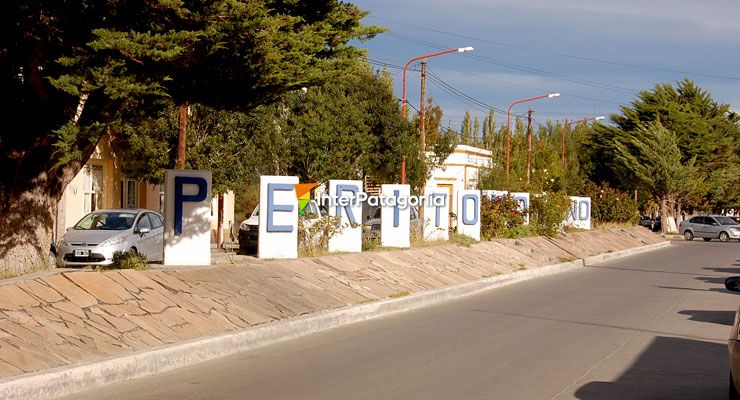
597 54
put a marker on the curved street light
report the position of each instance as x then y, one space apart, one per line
403 97
508 126
575 122
439 53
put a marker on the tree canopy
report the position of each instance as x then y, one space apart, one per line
76 70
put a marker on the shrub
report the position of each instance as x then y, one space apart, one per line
499 216
547 213
313 237
611 205
521 231
460 239
128 260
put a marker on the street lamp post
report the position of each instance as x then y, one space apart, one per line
403 97
574 122
439 53
508 126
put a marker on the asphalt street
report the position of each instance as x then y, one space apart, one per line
651 326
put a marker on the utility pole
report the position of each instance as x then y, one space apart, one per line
422 134
182 137
422 111
220 224
529 144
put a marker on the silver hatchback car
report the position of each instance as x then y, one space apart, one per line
98 235
710 227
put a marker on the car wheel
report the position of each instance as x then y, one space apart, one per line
707 239
733 394
133 251
724 237
688 235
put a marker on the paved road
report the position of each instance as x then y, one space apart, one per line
649 326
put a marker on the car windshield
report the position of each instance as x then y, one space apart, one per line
725 221
112 221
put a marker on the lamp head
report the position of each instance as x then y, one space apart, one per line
551 95
599 118
464 49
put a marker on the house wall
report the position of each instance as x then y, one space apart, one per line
229 222
460 171
71 206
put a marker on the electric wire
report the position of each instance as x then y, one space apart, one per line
572 56
521 68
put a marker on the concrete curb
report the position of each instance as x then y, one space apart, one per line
67 380
588 261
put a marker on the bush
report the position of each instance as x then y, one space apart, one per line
313 238
611 205
547 213
499 216
460 239
521 231
128 260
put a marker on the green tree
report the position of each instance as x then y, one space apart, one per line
706 131
432 123
650 155
466 129
74 71
352 126
476 131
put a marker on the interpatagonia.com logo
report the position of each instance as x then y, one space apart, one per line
303 194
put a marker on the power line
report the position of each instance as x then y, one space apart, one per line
522 68
531 87
572 56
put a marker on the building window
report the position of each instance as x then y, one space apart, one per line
130 193
92 187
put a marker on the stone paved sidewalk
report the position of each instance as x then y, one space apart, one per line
80 316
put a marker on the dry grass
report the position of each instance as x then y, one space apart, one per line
612 225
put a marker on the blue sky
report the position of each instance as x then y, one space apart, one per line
521 48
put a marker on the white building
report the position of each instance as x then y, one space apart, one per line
100 184
460 171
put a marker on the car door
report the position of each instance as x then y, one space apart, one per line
158 235
145 241
712 227
695 224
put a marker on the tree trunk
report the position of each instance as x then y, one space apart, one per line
25 241
679 213
664 215
27 215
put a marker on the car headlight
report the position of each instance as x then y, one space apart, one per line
735 230
375 227
244 226
114 241
62 242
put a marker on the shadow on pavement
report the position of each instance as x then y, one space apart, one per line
670 368
735 271
713 317
717 281
717 289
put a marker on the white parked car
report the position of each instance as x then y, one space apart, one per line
98 235
710 227
249 228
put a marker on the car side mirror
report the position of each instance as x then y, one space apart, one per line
144 230
733 283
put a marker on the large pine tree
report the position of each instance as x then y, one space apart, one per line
73 71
